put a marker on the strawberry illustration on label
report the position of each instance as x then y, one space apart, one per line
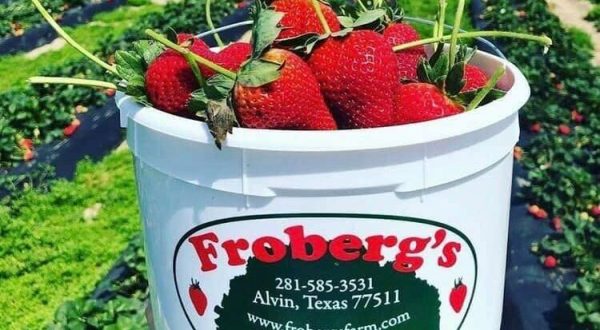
458 295
198 297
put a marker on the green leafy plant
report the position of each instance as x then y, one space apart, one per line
563 158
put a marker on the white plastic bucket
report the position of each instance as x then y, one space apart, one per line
271 227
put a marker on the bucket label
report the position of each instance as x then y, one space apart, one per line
325 272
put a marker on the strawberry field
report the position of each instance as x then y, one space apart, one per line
72 254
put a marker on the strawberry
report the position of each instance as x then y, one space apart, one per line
557 224
577 117
474 77
458 296
518 153
73 126
28 155
440 91
418 102
408 59
293 101
300 18
26 144
197 297
110 92
595 211
169 80
535 128
564 129
358 76
231 57
550 262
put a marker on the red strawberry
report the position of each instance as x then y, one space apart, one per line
550 262
408 59
564 129
458 296
198 298
293 101
474 77
231 57
26 144
595 211
110 92
169 79
577 117
170 82
73 126
28 155
300 18
417 102
358 75
535 128
557 224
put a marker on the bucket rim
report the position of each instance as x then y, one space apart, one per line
339 140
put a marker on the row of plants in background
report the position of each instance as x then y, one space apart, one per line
594 16
18 15
61 238
38 115
121 303
562 157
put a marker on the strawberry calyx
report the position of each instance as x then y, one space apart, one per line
450 79
212 103
132 66
372 19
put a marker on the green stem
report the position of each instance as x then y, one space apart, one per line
460 9
487 88
317 7
362 5
441 19
476 34
195 69
70 40
71 81
212 26
186 52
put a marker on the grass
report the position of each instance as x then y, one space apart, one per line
427 9
581 39
49 253
17 68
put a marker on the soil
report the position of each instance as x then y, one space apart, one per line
54 45
572 13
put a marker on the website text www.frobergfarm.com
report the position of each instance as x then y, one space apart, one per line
390 323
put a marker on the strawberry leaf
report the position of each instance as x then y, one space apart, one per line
346 21
198 103
129 64
455 81
148 50
369 18
301 42
219 87
265 30
257 73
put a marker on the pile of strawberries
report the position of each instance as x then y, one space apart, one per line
306 68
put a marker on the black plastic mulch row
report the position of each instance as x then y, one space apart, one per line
42 34
533 297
